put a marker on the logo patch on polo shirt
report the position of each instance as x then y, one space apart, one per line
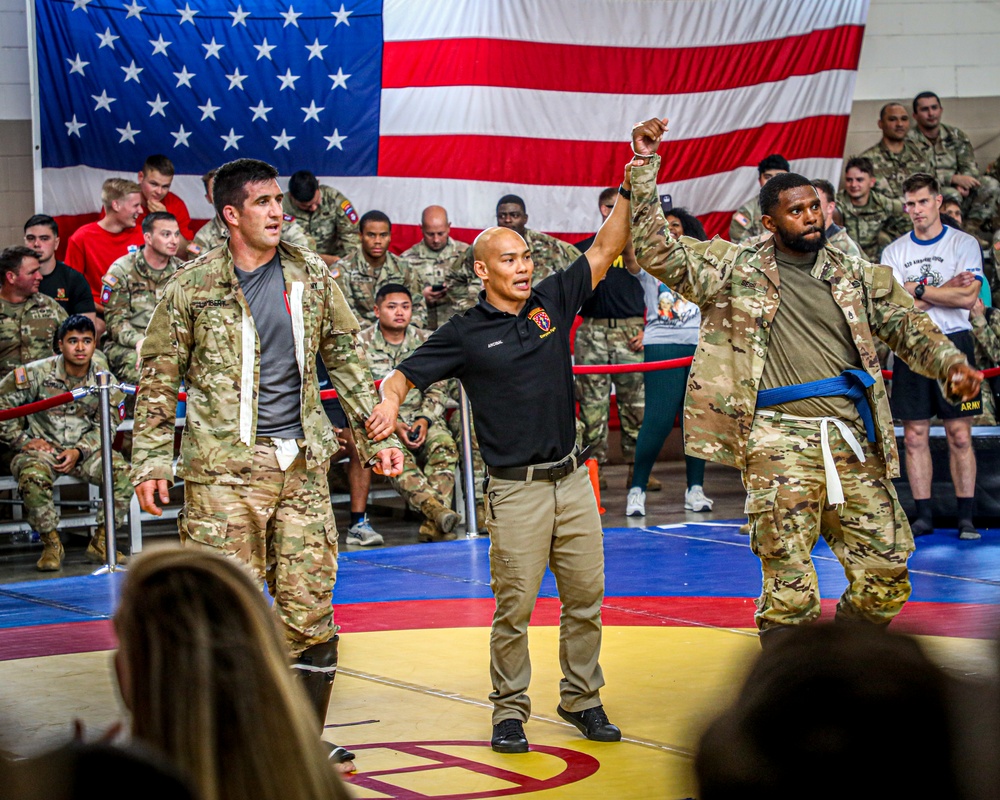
348 209
61 293
540 318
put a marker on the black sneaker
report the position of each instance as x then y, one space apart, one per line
967 531
593 723
337 754
921 527
508 737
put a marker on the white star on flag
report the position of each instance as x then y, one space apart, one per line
131 72
103 101
135 10
127 133
342 16
78 64
288 80
312 112
260 111
73 127
231 140
283 140
239 16
335 140
236 79
187 14
212 49
181 137
340 79
80 4
208 110
264 50
157 105
316 49
184 77
107 39
160 46
291 18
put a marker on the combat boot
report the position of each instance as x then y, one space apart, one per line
316 668
428 532
52 555
443 517
96 551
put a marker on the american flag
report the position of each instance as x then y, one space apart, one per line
405 103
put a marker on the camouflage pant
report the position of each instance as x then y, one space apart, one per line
598 343
478 465
787 512
981 203
121 359
35 473
430 471
281 526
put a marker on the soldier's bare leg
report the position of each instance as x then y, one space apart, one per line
961 456
919 470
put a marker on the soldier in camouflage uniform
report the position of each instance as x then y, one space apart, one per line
427 482
895 157
547 253
214 232
835 235
746 221
871 219
241 326
949 153
28 318
133 285
326 216
791 307
430 258
371 266
65 440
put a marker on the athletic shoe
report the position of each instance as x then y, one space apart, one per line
967 531
363 534
635 503
695 500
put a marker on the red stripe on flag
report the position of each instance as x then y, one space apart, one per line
588 68
716 223
405 236
548 162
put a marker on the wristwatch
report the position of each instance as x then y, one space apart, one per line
918 292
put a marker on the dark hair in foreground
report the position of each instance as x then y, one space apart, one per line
391 288
303 185
156 216
75 322
158 163
11 258
862 163
924 96
511 198
42 219
373 216
690 224
773 161
232 179
921 180
824 186
770 192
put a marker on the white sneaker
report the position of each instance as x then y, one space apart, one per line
635 503
695 500
363 534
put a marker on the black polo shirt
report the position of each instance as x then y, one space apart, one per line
517 370
618 296
69 289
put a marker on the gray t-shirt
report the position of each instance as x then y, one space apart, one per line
279 408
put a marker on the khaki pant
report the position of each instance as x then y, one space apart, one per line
281 526
531 525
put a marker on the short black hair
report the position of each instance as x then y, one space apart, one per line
11 258
887 106
606 195
75 322
690 224
158 163
206 179
302 186
42 219
770 192
156 216
373 216
825 187
391 288
773 161
862 163
924 96
232 179
511 198
921 180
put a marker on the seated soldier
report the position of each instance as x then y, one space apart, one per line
835 235
428 479
871 219
132 287
746 224
327 217
65 440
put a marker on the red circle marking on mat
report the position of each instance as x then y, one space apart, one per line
577 767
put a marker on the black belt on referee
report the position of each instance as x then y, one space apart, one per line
556 472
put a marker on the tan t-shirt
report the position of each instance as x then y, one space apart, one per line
810 340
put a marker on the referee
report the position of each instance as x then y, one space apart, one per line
512 353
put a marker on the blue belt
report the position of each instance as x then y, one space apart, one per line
850 383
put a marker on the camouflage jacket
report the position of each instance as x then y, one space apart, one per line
202 333
432 268
950 154
27 330
385 357
844 243
214 232
548 253
986 330
891 169
131 291
737 289
360 281
746 223
332 228
874 225
75 424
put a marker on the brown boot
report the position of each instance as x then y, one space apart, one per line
96 551
443 517
52 555
429 532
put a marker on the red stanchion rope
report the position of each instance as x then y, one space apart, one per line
38 405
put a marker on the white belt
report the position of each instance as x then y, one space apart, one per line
834 488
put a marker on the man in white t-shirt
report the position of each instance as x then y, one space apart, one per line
942 268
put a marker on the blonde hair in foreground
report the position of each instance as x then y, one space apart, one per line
204 671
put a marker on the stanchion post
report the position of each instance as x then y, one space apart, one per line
468 473
104 386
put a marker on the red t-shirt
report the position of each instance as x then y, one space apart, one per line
92 250
175 206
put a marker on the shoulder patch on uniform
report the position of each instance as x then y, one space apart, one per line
133 248
110 279
288 218
105 294
121 410
742 219
334 271
348 209
21 377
